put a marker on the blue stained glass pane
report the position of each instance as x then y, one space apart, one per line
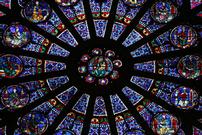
120 125
149 66
67 121
51 66
95 7
133 96
48 27
155 108
82 104
57 50
141 51
106 6
94 129
117 104
117 30
144 83
68 38
99 107
57 82
132 38
66 96
34 47
100 27
104 128
121 9
82 29
78 126
145 114
131 122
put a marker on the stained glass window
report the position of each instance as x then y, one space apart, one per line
100 67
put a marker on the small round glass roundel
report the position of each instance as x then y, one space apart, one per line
37 11
100 66
16 36
190 67
134 3
184 98
14 97
10 66
66 2
163 11
165 124
183 36
64 132
34 123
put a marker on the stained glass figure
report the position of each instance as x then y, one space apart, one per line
10 66
164 124
16 35
190 66
183 36
184 98
34 122
37 11
14 97
163 12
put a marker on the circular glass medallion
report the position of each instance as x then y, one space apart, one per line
134 3
10 66
183 36
16 36
34 123
165 124
163 11
64 132
14 97
190 66
66 2
97 66
184 98
37 11
100 66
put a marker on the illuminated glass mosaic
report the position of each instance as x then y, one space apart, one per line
100 67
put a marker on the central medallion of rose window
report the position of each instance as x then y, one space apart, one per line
99 66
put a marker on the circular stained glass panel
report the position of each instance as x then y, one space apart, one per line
14 97
34 123
184 98
190 67
163 11
183 36
16 36
10 66
37 11
100 66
